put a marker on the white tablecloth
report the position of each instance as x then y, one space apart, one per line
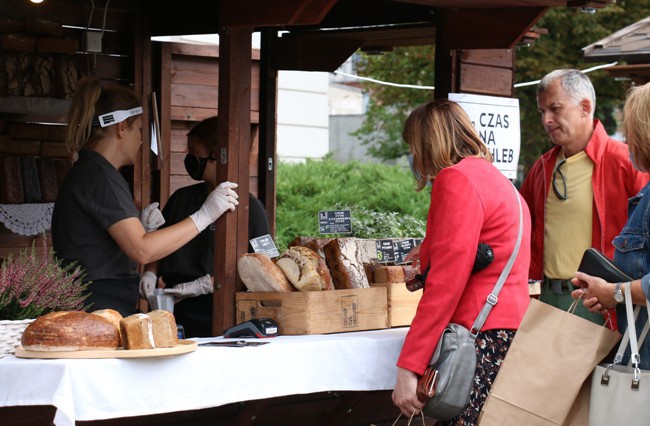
94 389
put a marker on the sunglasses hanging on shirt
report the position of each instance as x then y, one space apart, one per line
559 181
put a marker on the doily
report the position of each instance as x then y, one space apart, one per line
27 219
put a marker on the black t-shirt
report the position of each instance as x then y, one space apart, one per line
93 197
196 258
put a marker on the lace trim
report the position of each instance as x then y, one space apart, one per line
27 219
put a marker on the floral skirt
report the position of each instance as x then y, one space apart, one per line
491 348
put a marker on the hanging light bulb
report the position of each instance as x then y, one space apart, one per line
36 1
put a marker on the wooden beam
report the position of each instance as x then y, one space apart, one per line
233 148
314 53
490 28
263 13
165 119
267 166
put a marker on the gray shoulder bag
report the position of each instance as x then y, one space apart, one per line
447 382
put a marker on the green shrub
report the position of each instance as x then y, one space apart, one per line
382 199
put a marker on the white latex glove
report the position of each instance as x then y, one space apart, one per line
199 286
219 201
148 282
151 217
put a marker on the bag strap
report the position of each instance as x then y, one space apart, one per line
493 298
630 336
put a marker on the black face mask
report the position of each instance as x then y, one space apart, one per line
195 166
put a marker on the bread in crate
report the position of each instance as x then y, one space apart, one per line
305 269
344 260
260 274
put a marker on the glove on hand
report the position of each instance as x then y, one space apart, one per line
148 282
151 217
199 286
220 200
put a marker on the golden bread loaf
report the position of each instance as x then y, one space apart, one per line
70 331
165 332
305 269
157 329
113 317
137 332
259 273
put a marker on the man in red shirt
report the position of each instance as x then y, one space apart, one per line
577 191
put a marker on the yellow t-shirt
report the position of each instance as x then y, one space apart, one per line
568 223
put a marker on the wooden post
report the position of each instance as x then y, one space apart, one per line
233 150
445 73
268 125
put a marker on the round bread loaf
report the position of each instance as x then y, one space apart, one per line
305 269
259 273
113 317
70 331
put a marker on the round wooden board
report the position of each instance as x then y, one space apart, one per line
183 347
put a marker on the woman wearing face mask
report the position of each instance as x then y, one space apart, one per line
95 222
188 272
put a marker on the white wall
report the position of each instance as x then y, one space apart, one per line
303 117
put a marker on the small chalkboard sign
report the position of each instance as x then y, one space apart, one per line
402 248
385 251
265 245
335 221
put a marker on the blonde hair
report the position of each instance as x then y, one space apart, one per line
440 134
636 125
91 100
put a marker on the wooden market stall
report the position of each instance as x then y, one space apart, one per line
45 48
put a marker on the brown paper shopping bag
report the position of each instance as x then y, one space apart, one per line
552 355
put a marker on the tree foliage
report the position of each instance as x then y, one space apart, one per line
569 30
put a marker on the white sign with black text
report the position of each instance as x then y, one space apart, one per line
497 122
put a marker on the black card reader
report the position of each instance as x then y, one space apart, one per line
257 327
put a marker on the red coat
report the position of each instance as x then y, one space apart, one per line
614 180
471 202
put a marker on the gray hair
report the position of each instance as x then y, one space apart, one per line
576 84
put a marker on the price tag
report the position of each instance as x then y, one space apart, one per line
335 221
385 251
265 245
402 248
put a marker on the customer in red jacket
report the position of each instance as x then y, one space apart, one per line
471 202
577 191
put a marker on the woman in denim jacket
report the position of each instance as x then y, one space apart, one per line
632 245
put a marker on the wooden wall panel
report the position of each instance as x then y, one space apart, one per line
193 73
494 57
485 80
58 28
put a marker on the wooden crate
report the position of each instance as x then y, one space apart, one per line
317 312
402 303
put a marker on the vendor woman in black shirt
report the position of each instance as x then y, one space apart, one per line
95 221
190 269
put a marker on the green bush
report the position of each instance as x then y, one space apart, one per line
381 198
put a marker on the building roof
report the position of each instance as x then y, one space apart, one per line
630 44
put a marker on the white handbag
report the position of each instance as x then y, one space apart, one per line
620 394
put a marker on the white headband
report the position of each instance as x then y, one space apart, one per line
115 117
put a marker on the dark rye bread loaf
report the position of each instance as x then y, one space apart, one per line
343 257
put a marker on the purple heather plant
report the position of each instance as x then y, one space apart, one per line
33 284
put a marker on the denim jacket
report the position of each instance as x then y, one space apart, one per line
632 256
